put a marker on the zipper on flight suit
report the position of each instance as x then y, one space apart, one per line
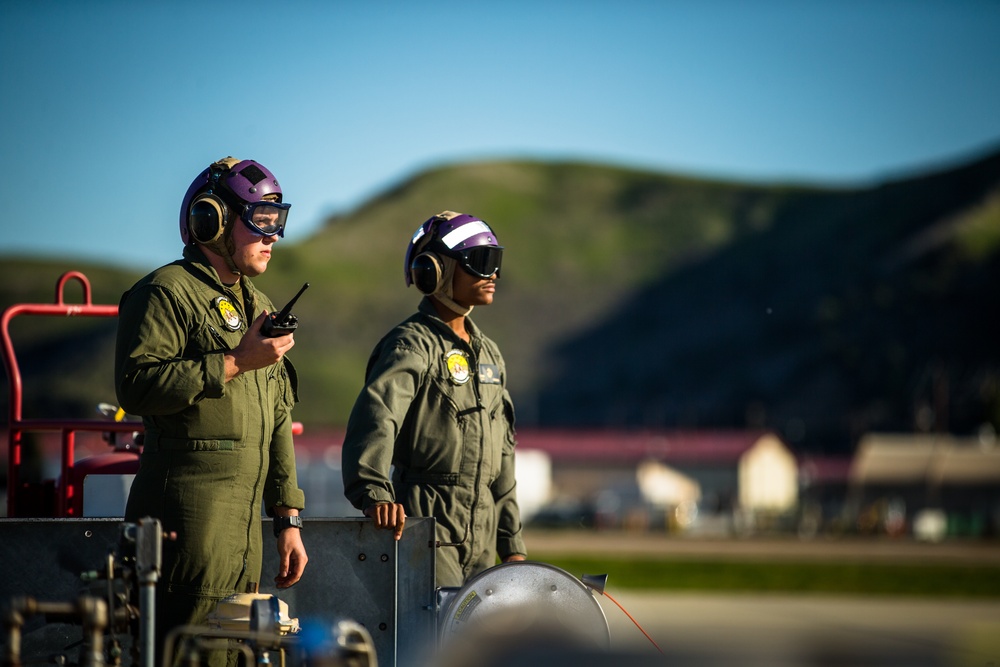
469 536
470 529
246 306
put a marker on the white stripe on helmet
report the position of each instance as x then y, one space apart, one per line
466 231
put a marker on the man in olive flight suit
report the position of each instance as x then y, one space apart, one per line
436 407
215 396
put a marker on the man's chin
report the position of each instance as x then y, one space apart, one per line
255 269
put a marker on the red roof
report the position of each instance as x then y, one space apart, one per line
691 447
825 469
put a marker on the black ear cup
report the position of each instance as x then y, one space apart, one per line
207 218
426 272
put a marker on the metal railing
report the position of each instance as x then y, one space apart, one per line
67 502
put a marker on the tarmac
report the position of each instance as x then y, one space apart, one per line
779 630
804 631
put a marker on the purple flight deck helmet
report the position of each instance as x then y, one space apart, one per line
242 185
465 238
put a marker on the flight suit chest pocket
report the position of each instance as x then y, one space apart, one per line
212 419
210 335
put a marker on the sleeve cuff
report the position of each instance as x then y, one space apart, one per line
510 546
295 499
215 375
368 501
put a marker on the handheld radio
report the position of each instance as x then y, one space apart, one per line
284 322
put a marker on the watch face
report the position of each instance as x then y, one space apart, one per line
282 522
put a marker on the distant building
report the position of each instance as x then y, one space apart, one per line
909 475
627 476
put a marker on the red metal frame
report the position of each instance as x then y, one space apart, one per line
67 501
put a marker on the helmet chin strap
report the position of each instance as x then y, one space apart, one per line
224 247
446 294
229 248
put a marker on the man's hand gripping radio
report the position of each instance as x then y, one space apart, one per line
279 324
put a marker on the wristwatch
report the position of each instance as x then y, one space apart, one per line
281 522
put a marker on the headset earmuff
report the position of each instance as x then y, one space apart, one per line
207 218
427 272
427 269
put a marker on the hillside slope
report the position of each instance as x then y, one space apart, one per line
853 311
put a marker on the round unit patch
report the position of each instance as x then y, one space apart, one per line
230 315
458 366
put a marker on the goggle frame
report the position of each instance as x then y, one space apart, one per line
480 267
246 215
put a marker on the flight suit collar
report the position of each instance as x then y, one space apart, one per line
427 309
198 263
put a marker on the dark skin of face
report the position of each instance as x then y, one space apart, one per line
467 290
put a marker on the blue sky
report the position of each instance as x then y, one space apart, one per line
108 109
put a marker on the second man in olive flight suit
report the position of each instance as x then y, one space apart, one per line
436 408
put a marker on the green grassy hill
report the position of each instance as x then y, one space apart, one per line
628 298
852 311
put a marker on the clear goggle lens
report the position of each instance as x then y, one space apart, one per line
266 218
482 261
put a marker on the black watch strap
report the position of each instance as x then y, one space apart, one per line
282 522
